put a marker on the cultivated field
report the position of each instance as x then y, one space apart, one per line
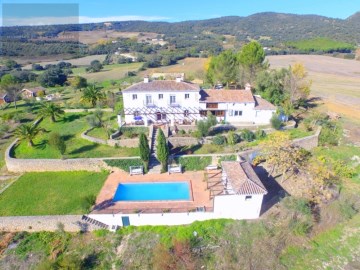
336 81
193 67
83 61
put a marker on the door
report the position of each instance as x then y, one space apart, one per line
125 221
172 99
148 100
158 116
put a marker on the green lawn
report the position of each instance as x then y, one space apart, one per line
50 193
71 126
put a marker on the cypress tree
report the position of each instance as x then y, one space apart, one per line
144 151
162 150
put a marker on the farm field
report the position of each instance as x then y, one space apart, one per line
50 193
334 80
110 72
193 67
82 61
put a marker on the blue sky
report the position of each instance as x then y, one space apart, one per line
163 10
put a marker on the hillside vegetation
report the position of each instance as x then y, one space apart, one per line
321 45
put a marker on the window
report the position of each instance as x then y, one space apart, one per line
136 113
238 113
172 99
134 96
187 96
161 96
148 100
186 113
231 112
248 198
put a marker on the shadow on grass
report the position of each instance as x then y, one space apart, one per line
71 118
41 145
275 191
185 150
25 120
103 205
83 149
68 137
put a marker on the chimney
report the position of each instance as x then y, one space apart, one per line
248 86
146 79
179 79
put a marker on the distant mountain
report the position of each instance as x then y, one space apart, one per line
269 26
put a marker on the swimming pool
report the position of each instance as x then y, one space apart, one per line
160 191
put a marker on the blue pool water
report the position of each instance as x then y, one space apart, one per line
168 191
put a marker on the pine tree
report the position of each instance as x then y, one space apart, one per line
162 150
144 151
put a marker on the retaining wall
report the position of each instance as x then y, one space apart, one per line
132 143
72 223
87 110
182 141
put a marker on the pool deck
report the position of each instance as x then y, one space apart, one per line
200 194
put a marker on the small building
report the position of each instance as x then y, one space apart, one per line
243 191
33 92
4 98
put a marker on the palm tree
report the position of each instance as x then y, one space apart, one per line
52 110
28 132
92 94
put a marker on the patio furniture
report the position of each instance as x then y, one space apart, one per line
136 170
174 169
211 167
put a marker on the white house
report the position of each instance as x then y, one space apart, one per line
236 106
240 197
161 101
166 101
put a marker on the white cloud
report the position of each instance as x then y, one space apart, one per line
73 20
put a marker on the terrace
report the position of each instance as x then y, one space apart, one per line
199 194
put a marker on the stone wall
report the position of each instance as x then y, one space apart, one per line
132 143
43 165
308 142
87 110
72 223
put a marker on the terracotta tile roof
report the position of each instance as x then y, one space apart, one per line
242 178
262 104
237 96
35 89
163 86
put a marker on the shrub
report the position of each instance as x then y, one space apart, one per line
87 202
247 135
276 122
343 170
226 158
260 134
124 164
257 160
219 140
182 132
131 132
233 138
194 163
330 134
58 142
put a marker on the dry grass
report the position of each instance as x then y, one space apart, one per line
83 61
336 81
190 66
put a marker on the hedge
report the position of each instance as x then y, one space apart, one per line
124 164
194 163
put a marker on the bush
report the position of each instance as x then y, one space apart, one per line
194 163
343 170
247 135
330 134
226 158
132 132
58 142
260 134
87 202
124 164
276 122
219 140
233 138
182 132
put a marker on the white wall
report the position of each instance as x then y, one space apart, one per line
226 206
191 102
237 207
263 116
